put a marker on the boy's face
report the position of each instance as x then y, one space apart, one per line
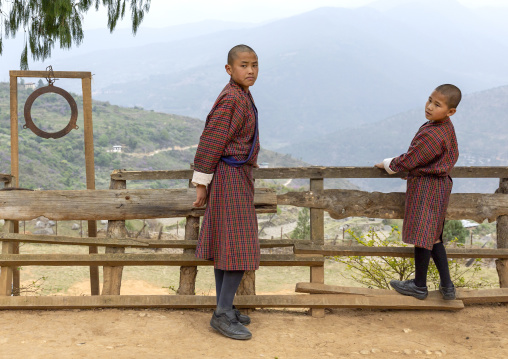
244 70
436 108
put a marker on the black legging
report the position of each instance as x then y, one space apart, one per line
226 284
422 259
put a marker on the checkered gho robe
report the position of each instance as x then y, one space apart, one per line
229 234
429 160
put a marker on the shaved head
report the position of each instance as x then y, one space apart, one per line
452 94
233 53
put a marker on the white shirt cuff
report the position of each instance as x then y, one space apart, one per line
201 178
386 163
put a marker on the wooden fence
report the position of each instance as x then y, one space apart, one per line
120 203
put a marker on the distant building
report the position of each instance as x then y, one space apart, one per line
117 148
469 224
29 85
264 165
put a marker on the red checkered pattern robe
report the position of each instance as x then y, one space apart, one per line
229 234
429 160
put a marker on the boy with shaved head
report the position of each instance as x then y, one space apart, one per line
429 160
226 154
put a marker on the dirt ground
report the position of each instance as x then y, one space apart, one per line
475 332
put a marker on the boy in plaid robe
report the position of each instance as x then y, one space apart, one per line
429 160
226 154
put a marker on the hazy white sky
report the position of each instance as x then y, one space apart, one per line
174 12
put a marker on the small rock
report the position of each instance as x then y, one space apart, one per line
364 352
428 352
75 226
142 315
417 351
407 351
407 330
139 345
443 351
328 354
109 347
79 344
376 350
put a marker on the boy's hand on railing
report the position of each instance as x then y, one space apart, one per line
255 165
200 196
380 165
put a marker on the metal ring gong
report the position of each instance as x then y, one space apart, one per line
28 109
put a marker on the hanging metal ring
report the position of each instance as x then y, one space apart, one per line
28 109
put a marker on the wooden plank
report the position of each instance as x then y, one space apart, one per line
502 238
317 235
145 259
56 74
112 204
6 272
86 86
351 203
476 296
14 130
331 250
243 301
314 172
467 295
128 242
112 276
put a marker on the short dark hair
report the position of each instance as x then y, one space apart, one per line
452 94
232 54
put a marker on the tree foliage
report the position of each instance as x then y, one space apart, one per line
376 272
455 229
302 230
46 22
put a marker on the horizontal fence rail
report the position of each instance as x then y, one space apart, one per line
112 204
351 203
312 172
129 242
155 259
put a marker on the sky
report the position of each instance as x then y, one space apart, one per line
165 13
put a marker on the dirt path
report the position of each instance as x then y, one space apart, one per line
148 154
475 332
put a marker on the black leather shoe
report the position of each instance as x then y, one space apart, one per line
408 287
242 318
228 325
448 293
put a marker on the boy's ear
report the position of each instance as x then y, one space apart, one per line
451 112
228 69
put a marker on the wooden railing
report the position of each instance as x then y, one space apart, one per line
120 203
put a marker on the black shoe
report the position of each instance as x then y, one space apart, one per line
227 324
448 293
242 318
408 287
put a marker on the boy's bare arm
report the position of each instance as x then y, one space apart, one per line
200 196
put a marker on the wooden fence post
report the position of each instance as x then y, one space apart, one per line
317 236
188 274
502 238
6 274
112 280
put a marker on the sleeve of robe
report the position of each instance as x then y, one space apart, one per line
218 132
425 149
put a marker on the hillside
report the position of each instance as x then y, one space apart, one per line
321 71
150 140
480 124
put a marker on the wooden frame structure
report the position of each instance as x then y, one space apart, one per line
120 203
86 84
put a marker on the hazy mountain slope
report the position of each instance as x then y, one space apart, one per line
150 140
319 71
480 124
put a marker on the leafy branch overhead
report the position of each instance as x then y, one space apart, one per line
46 22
